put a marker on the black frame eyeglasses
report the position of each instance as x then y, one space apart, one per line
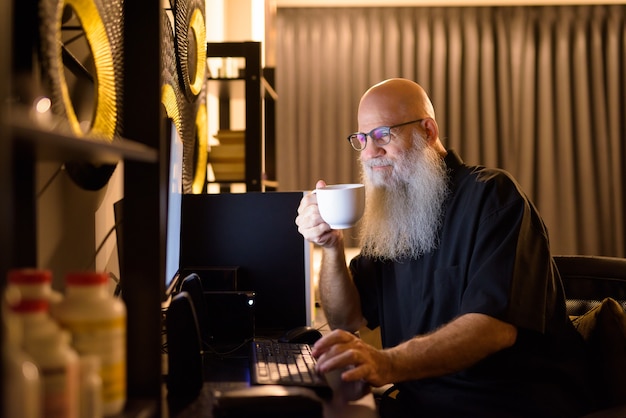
381 135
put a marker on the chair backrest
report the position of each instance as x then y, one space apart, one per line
588 279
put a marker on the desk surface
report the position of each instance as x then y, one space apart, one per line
233 373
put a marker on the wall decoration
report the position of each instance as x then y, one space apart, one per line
81 53
171 96
186 114
82 60
190 44
184 64
58 58
201 148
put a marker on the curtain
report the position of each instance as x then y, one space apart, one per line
538 91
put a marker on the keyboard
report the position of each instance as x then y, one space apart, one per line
279 363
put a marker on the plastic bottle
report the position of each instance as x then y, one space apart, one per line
28 295
58 365
33 284
90 387
97 322
22 384
35 318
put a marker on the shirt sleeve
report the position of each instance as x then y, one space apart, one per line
364 272
510 274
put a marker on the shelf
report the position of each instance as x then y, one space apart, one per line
225 78
227 88
31 133
235 74
49 144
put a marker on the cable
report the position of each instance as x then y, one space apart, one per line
118 286
222 354
322 326
50 180
92 262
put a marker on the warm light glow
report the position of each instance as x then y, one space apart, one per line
43 104
258 20
30 370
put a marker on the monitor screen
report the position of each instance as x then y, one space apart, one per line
174 161
251 241
174 203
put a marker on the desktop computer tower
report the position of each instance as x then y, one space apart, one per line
224 317
230 317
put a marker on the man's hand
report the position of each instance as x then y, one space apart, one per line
341 350
456 346
310 222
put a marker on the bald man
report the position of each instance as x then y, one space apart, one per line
455 268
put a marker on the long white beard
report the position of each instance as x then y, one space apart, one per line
404 210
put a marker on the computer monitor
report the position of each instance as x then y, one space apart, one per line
252 236
174 207
174 161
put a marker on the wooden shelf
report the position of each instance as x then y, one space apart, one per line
225 78
227 88
27 138
246 86
49 144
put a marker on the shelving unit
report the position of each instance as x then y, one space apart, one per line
145 200
24 143
27 144
48 144
245 83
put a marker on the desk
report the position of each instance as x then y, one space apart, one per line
233 373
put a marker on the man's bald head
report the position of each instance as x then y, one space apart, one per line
393 100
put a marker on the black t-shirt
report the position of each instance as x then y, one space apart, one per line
493 258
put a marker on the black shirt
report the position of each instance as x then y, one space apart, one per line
493 258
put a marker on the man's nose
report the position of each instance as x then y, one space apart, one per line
372 150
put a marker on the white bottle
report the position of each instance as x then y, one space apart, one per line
21 382
45 342
90 387
58 365
97 322
33 284
28 297
35 319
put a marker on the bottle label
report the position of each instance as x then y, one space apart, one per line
60 391
105 338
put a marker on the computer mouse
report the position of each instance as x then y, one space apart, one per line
301 335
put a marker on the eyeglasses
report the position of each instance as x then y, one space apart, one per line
381 136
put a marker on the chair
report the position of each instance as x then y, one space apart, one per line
588 281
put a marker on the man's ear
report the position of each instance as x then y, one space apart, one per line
432 130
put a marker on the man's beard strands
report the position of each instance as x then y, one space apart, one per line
404 210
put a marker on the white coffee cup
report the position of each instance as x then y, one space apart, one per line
341 205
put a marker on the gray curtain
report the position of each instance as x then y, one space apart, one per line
537 91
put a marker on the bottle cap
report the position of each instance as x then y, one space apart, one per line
29 276
30 306
86 278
